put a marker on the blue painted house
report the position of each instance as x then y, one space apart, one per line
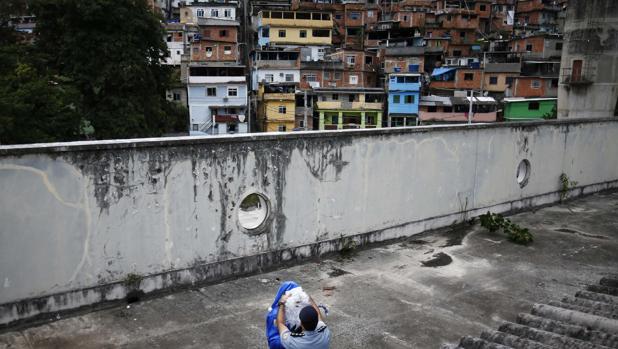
403 99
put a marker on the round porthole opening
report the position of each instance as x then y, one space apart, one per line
523 173
253 211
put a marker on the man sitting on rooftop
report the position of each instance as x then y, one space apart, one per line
315 334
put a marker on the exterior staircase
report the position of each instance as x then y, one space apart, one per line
587 321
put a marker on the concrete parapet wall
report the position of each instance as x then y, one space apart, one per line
89 222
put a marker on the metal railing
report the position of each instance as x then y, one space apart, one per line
581 77
206 126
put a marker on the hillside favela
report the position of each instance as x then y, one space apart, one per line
289 174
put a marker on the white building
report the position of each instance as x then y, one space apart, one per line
272 66
217 95
192 13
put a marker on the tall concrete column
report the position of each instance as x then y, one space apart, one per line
379 121
363 119
321 121
340 121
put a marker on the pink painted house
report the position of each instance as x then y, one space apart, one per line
439 109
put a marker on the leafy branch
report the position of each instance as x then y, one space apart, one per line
494 222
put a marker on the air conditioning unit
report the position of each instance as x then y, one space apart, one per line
225 99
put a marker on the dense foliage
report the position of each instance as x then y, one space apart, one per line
91 70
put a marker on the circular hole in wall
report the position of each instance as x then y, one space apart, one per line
253 211
523 173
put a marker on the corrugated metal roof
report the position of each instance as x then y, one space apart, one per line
441 70
218 22
435 101
524 99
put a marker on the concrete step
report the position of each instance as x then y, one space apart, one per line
582 309
469 342
609 309
612 291
512 340
569 330
609 281
577 318
587 321
597 297
554 326
547 338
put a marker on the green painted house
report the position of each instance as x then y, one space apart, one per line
519 109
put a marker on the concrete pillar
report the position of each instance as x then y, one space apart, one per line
340 121
379 120
321 121
363 119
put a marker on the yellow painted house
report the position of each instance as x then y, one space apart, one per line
343 108
294 28
277 107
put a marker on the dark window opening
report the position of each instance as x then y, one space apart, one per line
469 76
533 106
321 33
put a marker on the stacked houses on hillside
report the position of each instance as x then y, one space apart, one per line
276 65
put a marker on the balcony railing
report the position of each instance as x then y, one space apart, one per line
278 96
579 77
335 105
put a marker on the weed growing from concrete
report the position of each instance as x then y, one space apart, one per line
132 279
348 248
494 221
566 184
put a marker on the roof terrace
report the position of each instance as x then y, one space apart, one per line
419 292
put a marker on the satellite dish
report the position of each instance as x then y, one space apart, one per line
241 118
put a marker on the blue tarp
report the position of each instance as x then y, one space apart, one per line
440 71
272 333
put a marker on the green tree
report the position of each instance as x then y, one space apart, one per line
112 50
36 105
92 70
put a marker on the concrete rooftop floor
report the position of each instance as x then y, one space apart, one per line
381 297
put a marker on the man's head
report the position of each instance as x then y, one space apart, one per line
308 318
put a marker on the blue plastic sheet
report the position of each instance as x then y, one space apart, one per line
272 333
